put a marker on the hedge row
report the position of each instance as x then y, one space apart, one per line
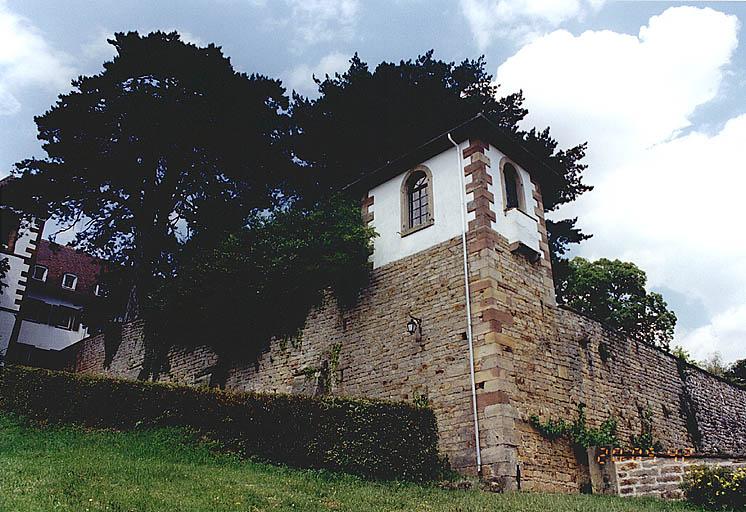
371 438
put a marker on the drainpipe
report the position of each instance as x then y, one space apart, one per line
467 291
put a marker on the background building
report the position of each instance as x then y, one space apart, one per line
19 238
48 287
61 283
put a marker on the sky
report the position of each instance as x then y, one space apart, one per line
657 89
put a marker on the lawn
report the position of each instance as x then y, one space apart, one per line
162 470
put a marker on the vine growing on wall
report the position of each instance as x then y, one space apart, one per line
646 442
325 373
576 431
687 406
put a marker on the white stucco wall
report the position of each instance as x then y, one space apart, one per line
25 238
515 225
390 245
17 265
7 319
8 297
48 337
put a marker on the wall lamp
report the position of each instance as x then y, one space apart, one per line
414 326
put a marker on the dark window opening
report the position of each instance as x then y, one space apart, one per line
512 186
69 281
36 311
39 273
40 312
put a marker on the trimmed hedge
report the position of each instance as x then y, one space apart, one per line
371 438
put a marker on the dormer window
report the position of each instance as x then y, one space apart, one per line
69 281
417 200
513 187
39 273
99 291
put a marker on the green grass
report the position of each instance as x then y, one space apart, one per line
162 470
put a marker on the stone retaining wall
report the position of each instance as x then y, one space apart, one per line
661 477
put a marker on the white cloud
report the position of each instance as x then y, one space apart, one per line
26 59
521 19
300 78
316 21
669 202
726 334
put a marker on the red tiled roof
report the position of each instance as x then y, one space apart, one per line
60 260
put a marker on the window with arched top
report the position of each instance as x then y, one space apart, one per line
513 187
417 200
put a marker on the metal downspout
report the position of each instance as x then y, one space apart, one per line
467 291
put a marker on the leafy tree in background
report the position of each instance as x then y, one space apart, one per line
561 234
364 118
613 292
168 141
736 373
714 364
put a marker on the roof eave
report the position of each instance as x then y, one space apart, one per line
477 127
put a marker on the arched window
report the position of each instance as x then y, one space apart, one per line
513 189
417 200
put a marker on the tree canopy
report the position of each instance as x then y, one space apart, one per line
167 142
613 292
735 373
168 139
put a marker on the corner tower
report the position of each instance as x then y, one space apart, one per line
478 185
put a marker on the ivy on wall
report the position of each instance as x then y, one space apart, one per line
576 431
